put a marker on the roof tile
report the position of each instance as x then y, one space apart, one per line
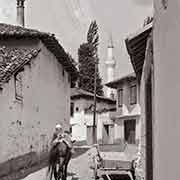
12 59
49 40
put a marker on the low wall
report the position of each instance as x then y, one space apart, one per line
19 166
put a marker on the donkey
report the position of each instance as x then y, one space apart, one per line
59 157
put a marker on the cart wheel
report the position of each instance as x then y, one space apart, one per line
95 169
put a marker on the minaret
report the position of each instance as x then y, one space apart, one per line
20 12
110 67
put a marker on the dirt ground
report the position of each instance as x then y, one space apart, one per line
78 169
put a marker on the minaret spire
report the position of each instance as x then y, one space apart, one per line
20 12
110 43
110 64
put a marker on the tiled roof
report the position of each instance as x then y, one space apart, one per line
49 40
117 82
12 59
77 93
136 46
100 110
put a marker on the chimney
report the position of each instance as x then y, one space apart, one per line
20 12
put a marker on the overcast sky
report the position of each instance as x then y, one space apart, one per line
69 20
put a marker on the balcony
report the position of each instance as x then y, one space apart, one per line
124 113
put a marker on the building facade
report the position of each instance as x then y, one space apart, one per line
166 124
35 79
140 49
126 117
82 107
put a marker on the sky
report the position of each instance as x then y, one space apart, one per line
69 21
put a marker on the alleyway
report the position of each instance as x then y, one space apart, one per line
80 166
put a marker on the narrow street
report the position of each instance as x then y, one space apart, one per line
81 75
80 166
78 169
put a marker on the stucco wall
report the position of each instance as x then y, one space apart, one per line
81 120
28 126
127 107
120 129
167 90
127 112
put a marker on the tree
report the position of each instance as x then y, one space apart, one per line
88 56
147 21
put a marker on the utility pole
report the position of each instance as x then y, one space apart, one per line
94 113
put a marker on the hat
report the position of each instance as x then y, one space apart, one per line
58 126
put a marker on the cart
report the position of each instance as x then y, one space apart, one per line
115 169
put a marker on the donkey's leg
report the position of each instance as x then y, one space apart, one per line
65 172
66 164
60 172
55 172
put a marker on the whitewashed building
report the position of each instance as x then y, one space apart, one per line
35 80
126 118
82 105
157 68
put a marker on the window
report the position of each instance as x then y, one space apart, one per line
72 109
18 86
70 129
133 94
120 97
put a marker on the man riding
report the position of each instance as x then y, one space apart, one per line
57 135
65 136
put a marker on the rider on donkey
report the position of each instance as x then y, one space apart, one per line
65 136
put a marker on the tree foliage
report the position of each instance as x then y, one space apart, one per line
88 56
148 20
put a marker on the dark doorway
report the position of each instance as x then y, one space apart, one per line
129 131
90 135
108 134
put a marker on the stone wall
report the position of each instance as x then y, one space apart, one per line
27 125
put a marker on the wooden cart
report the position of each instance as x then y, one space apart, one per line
112 169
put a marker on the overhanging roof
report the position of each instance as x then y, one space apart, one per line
136 47
117 82
8 31
80 93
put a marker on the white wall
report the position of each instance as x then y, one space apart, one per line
119 130
127 111
78 126
167 90
81 120
46 100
